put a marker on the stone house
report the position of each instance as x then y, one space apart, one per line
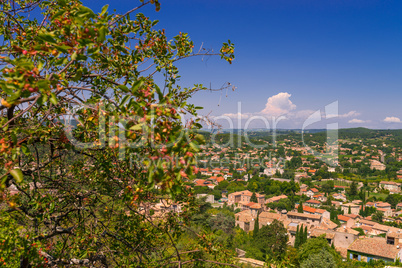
313 203
244 220
243 197
339 197
209 197
375 164
315 211
340 239
304 218
392 186
254 208
320 197
275 199
346 221
310 193
354 208
375 248
324 213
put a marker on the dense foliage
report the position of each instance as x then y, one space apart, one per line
87 193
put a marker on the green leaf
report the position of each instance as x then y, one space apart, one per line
42 99
53 98
158 90
197 125
74 55
137 127
124 88
25 149
47 37
14 138
124 100
85 11
102 34
17 174
136 85
40 65
104 9
200 138
58 14
63 48
194 146
43 84
62 3
151 174
77 76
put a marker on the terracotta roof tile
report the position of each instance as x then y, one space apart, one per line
376 246
343 218
353 216
318 232
313 201
303 215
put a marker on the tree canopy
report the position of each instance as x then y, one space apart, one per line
315 246
91 142
271 240
321 259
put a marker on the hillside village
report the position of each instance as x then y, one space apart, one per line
356 205
201 134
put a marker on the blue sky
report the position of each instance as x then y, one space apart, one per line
293 57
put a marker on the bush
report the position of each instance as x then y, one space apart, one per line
322 259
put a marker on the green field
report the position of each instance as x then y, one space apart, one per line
377 195
336 182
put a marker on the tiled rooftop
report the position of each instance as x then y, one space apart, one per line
376 246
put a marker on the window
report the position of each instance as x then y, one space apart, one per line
390 241
355 256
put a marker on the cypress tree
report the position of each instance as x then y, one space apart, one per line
350 210
254 198
364 197
305 235
332 214
256 227
300 208
297 238
301 236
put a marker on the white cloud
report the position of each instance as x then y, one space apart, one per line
392 119
346 115
356 121
280 108
238 115
278 104
349 114
302 114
